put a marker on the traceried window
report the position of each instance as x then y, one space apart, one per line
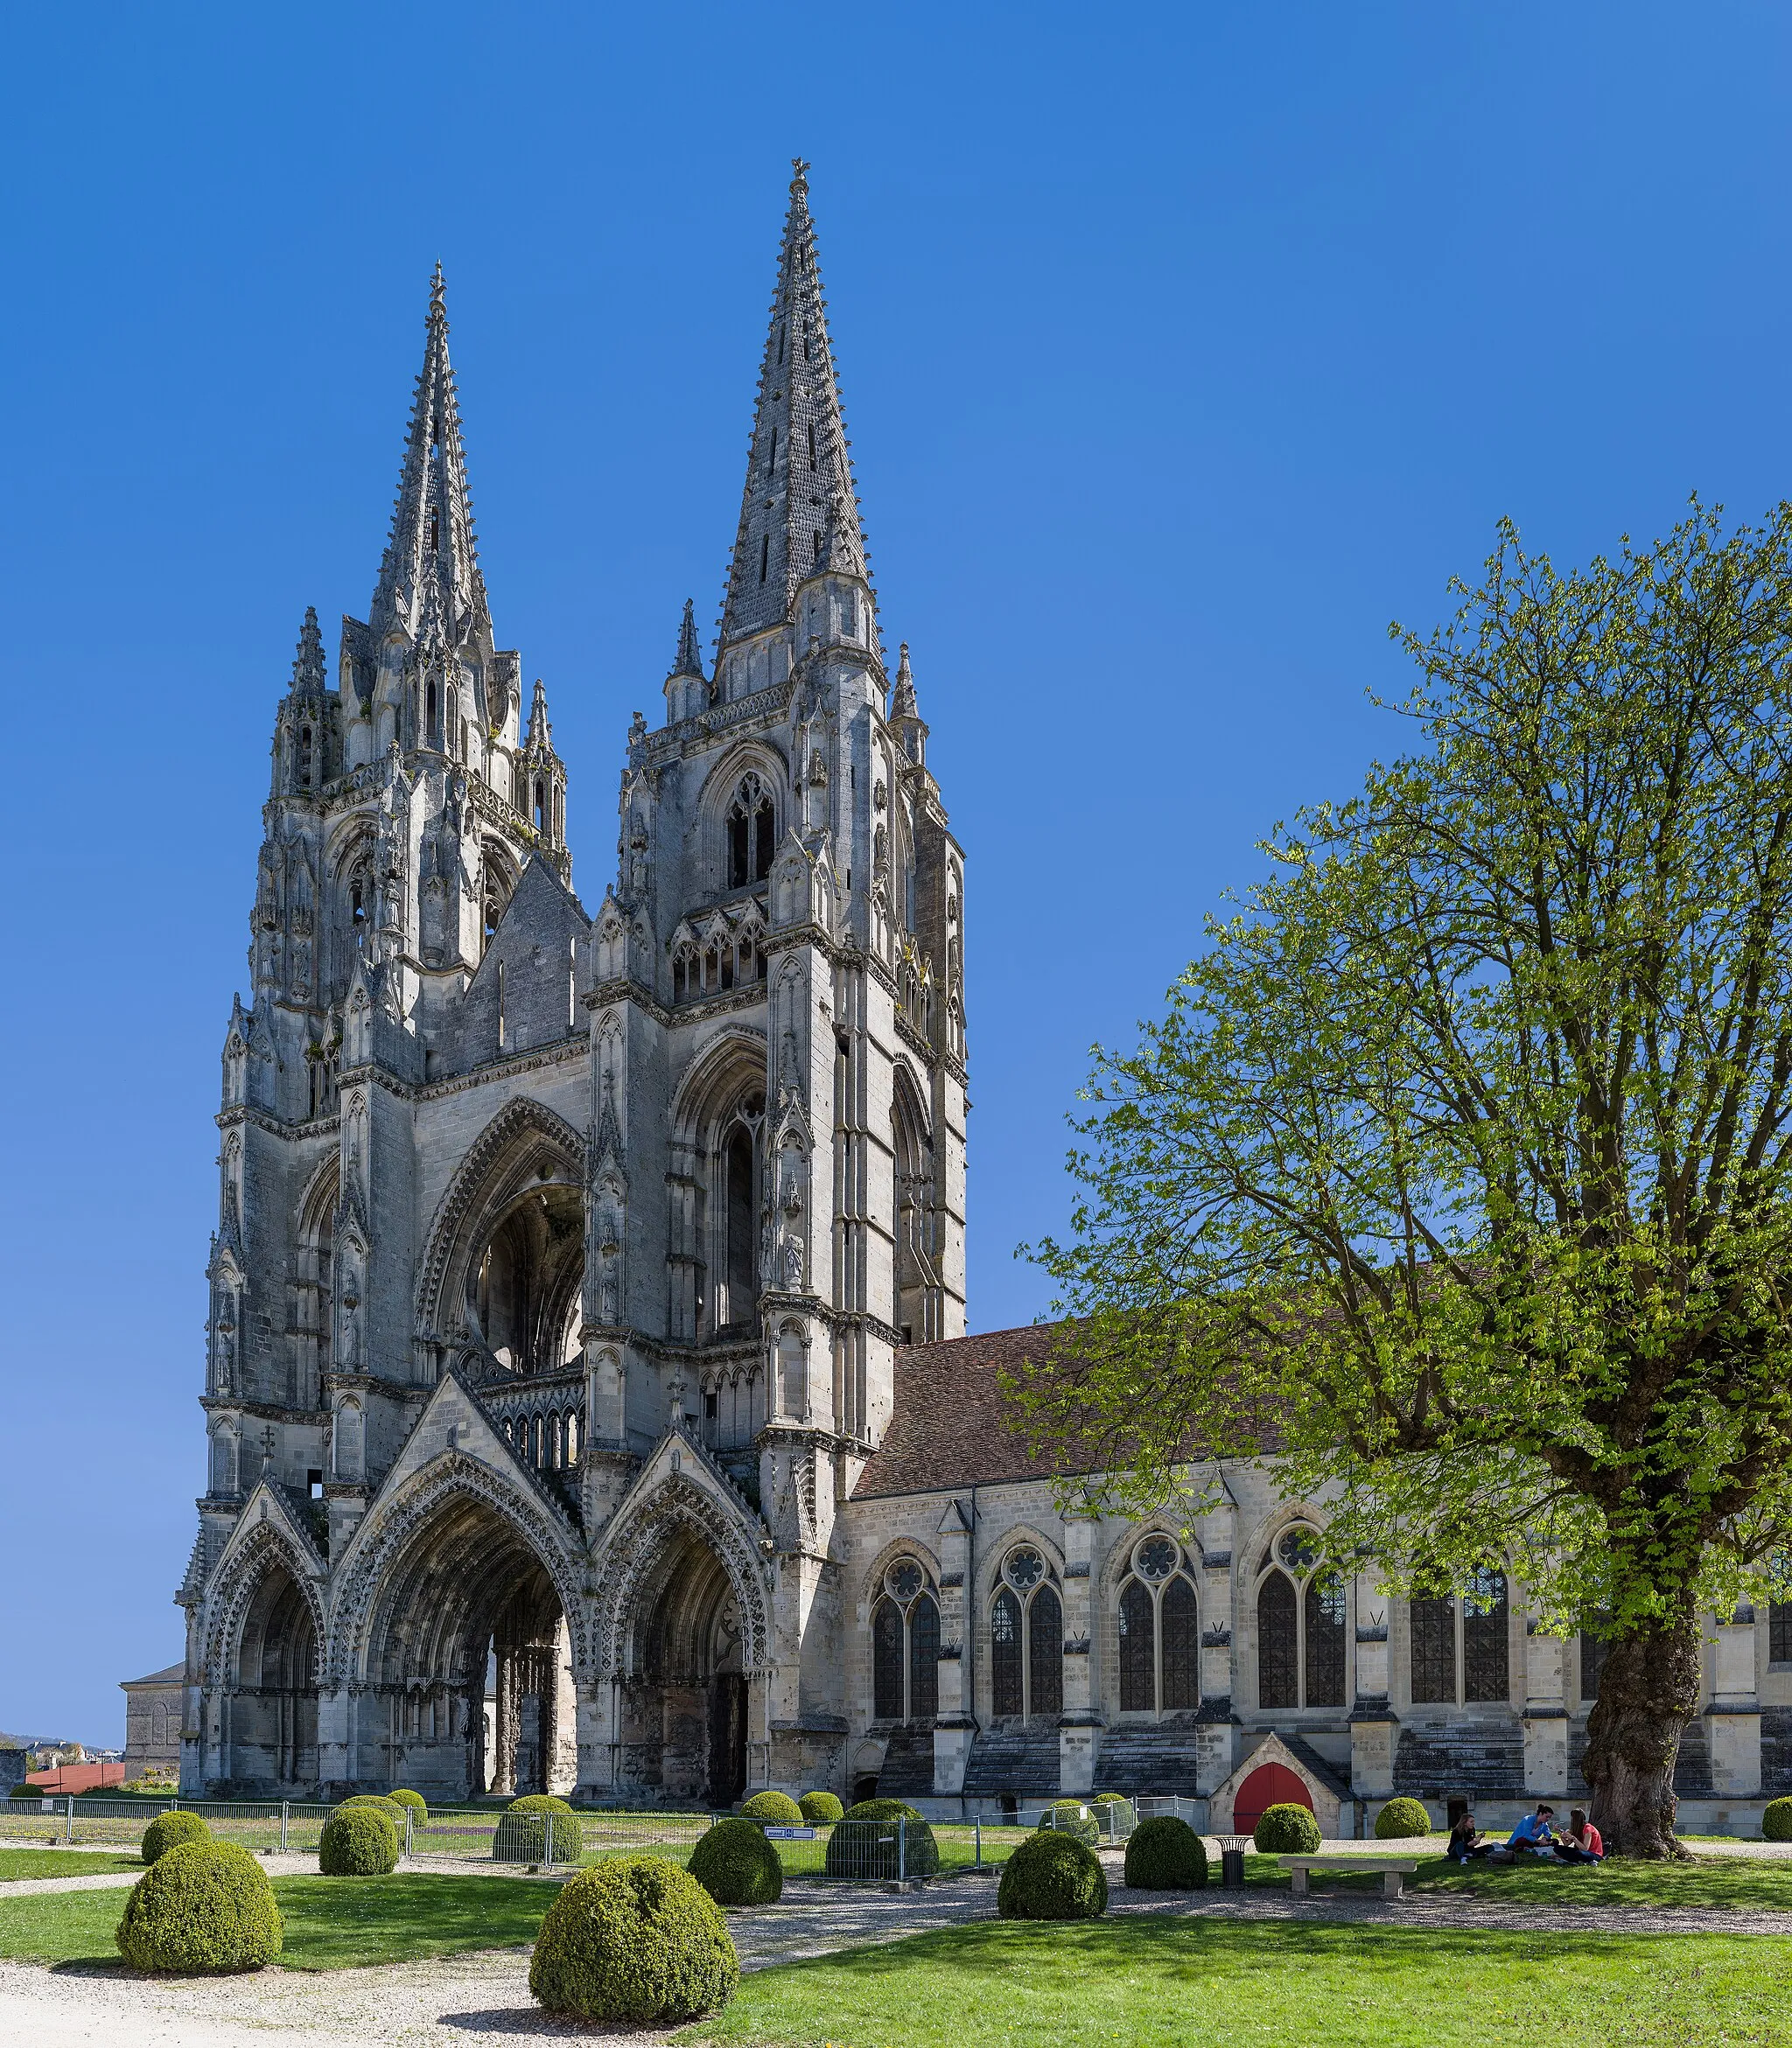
1027 1639
1593 1651
1302 1606
905 1645
750 833
1160 1624
1461 1648
304 757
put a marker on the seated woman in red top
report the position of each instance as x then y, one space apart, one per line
1581 1843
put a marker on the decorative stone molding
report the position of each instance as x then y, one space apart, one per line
240 1571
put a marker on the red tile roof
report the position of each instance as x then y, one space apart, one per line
951 1428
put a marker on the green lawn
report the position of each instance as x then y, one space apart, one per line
331 1923
63 1863
1730 1883
1149 1984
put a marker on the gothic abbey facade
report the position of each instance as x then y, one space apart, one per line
587 1391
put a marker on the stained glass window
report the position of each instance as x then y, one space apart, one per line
1434 1650
1326 1604
887 1661
1486 1661
1024 1569
1155 1559
923 1659
1005 1655
1138 1655
1045 1652
1181 1619
1277 1653
1593 1655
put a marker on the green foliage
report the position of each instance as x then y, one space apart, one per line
736 1865
522 1835
771 1806
865 1844
202 1907
1071 1817
22 1791
1286 1831
1401 1818
380 1803
419 1806
634 1939
1165 1855
167 1830
820 1806
358 1841
1776 1820
1052 1877
1122 1818
1455 1174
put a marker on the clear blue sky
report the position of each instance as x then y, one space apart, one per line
1184 346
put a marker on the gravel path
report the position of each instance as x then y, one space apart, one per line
466 1998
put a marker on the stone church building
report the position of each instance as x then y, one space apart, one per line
588 1397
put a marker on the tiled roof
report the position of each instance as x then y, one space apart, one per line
173 1676
951 1426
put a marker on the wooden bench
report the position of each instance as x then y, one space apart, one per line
1390 1871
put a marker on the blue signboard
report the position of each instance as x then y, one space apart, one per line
790 1835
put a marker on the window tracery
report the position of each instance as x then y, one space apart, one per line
905 1645
1027 1639
1302 1608
1159 1625
1466 1637
752 833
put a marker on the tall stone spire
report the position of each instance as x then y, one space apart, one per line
308 677
430 582
799 500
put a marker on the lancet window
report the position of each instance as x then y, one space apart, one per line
752 833
905 1645
1027 1639
1460 1648
723 959
1160 1624
1302 1607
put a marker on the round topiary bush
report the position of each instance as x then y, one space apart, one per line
1121 1817
736 1865
1776 1820
777 1806
1052 1877
523 1834
634 1938
866 1842
403 1796
1070 1817
378 1802
168 1831
1165 1855
1401 1818
820 1806
203 1906
358 1841
1286 1831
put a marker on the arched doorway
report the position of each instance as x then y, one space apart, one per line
1269 1785
271 1708
468 1685
682 1710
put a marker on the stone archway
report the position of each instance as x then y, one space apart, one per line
260 1670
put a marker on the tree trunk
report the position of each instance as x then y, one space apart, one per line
1648 1691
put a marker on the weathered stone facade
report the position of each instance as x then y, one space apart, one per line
587 1391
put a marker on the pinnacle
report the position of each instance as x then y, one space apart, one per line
902 701
691 660
308 678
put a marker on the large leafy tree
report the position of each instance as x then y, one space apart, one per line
1455 1179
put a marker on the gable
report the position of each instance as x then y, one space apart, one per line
535 960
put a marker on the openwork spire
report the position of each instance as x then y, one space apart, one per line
430 581
799 505
308 677
690 659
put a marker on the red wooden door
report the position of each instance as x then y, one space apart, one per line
1269 1785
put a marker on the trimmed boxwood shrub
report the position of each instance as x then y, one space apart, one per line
1401 1818
1070 1817
380 1803
1286 1831
634 1938
736 1865
167 1831
1165 1855
1052 1877
203 1906
1776 1820
777 1806
859 1848
522 1835
419 1806
820 1806
358 1841
1124 1818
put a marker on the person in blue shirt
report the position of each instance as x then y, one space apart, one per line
1534 1832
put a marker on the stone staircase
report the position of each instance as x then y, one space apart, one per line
1437 1763
1149 1756
908 1771
1015 1756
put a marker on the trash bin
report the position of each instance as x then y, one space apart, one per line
1232 1848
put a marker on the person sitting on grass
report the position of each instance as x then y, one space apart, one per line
1534 1835
1464 1841
1581 1841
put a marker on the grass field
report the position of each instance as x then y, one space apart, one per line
62 1862
1164 1983
1726 1883
331 1923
